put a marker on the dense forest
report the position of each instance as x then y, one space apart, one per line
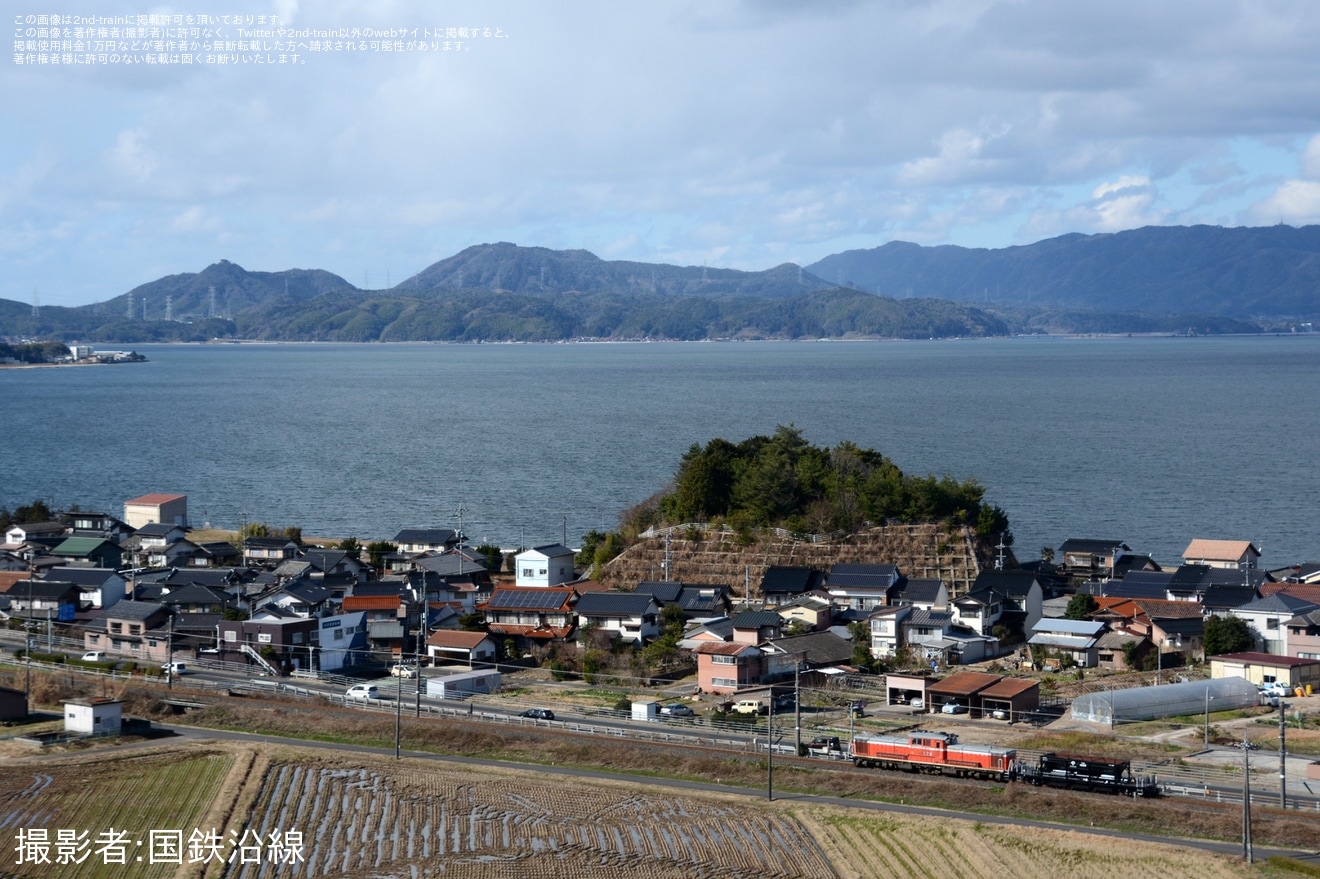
784 481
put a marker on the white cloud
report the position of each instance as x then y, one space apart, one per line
1311 159
1296 201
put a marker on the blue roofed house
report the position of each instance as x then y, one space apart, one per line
1075 640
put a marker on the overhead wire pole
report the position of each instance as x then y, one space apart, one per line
770 749
1246 799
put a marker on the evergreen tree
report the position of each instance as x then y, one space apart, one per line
1226 634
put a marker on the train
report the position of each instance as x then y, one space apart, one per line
934 752
941 753
1078 772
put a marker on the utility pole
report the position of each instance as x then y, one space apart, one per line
1246 798
1283 754
770 749
169 652
797 704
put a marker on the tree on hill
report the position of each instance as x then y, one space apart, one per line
784 481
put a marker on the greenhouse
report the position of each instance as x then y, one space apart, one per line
1169 700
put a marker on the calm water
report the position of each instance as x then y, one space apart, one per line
1151 441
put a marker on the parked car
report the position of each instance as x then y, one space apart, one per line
678 709
174 668
749 706
1275 689
953 708
362 691
857 708
538 714
825 746
403 670
93 656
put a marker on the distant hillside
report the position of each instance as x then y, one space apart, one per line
1155 280
538 270
1267 272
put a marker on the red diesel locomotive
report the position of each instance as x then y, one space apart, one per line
934 752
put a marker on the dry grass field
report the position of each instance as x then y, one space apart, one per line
372 818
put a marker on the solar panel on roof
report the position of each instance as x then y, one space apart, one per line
529 600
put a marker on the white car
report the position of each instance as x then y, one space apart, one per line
953 708
174 668
362 691
403 670
676 710
1276 689
93 656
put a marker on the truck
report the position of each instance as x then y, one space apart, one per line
825 746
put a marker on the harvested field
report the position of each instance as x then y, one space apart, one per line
869 846
361 817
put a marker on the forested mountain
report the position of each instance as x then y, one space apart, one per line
1244 273
1155 280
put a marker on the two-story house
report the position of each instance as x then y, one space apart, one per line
782 583
544 566
862 587
531 615
411 541
99 587
136 630
1233 554
1090 559
727 667
630 617
1267 618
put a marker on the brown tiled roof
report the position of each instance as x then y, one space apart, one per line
156 499
1304 591
723 648
1219 550
1155 608
1268 659
455 638
9 578
370 602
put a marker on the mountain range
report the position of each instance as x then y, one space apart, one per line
1158 279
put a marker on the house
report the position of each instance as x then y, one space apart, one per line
390 618
630 617
861 587
783 583
924 631
1140 584
215 554
1293 672
925 592
98 587
709 631
341 641
468 648
978 609
1233 554
1267 618
280 638
727 667
26 532
1019 595
95 551
810 612
269 551
335 563
1303 635
169 508
299 597
131 629
695 599
1091 559
755 626
544 566
1112 650
195 598
529 615
812 650
415 540
58 600
1076 640
89 524
159 534
886 625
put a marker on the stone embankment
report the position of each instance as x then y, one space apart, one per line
708 554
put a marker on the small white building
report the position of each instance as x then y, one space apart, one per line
94 717
548 565
468 683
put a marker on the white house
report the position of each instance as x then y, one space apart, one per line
1267 618
171 509
1075 639
632 617
541 566
887 630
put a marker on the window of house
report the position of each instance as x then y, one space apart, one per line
231 636
263 638
116 628
1272 623
724 682
297 638
543 572
134 629
527 572
723 660
339 634
151 642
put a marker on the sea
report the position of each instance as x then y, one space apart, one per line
1152 441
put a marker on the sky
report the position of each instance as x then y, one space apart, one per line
727 133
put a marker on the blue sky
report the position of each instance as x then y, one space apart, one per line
721 133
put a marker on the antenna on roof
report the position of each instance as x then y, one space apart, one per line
999 559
